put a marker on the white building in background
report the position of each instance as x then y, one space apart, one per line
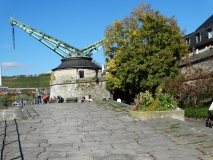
0 75
3 90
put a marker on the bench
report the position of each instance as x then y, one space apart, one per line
72 99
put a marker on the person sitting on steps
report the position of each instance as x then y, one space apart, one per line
83 100
118 100
208 119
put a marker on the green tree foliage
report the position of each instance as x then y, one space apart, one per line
142 49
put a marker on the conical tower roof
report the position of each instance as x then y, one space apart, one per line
77 62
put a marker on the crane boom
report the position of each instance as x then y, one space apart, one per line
91 49
61 48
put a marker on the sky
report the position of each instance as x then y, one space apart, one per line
79 23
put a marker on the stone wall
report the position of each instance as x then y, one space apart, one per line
147 115
70 75
206 66
10 114
203 60
95 90
66 83
197 70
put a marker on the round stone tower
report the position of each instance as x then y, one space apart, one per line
78 77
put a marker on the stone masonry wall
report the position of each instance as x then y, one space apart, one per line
206 66
66 83
69 75
202 60
95 90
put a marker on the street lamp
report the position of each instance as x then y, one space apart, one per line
43 90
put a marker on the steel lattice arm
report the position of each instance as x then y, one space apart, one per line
61 48
91 49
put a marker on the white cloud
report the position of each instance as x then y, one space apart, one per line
16 54
6 46
19 68
11 64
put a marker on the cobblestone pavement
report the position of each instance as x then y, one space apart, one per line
90 131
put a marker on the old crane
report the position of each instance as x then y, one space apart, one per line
76 76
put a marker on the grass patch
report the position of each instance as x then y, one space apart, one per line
27 82
117 107
177 125
202 141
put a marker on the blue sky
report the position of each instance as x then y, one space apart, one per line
78 23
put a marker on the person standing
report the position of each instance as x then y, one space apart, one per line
38 96
42 99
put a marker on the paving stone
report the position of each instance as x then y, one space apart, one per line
125 145
53 154
73 158
95 147
94 132
113 156
12 155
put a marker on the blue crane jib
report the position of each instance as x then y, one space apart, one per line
61 48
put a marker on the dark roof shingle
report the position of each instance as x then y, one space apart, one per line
78 62
206 24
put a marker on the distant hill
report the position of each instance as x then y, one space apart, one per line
41 81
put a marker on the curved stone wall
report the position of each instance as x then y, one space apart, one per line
67 83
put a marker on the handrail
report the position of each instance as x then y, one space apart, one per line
21 108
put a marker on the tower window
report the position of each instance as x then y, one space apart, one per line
81 74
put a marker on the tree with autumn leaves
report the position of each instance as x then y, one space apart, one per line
142 49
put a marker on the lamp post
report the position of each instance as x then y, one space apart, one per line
43 90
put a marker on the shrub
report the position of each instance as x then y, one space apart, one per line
200 112
194 87
162 102
144 100
165 101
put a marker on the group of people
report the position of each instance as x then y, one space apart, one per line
120 100
83 100
41 98
57 99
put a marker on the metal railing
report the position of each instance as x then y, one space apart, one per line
21 105
7 101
